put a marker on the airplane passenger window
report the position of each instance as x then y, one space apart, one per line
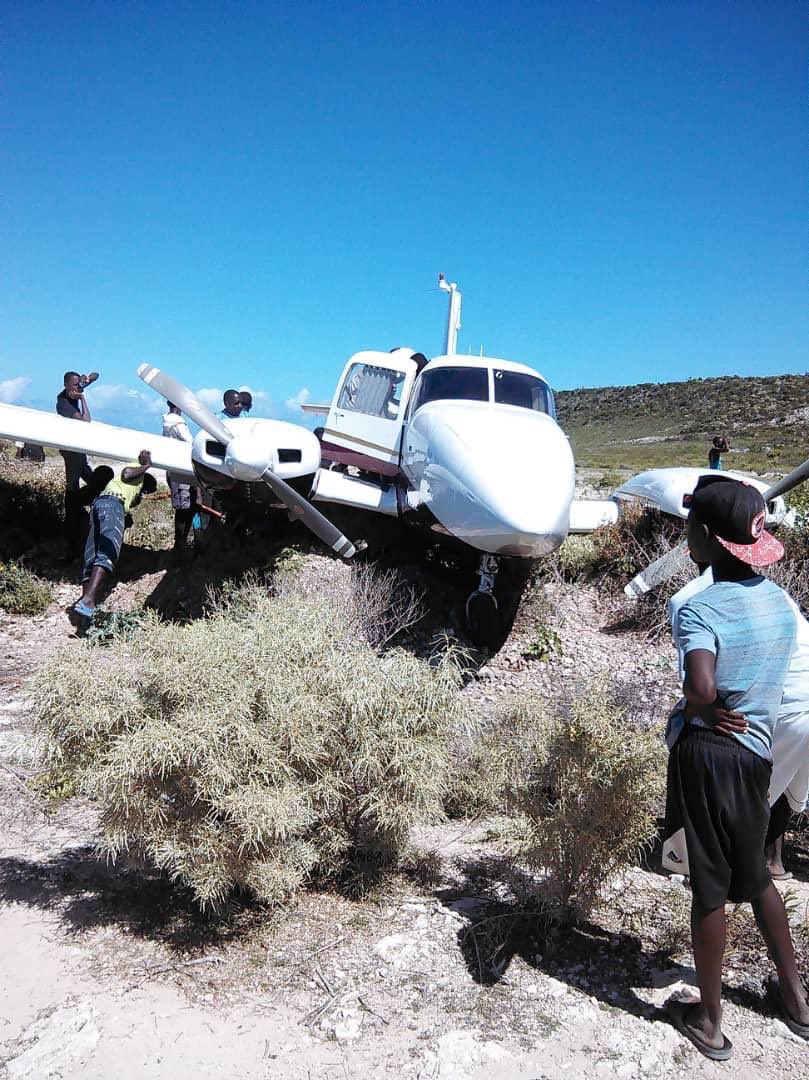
452 384
372 390
523 390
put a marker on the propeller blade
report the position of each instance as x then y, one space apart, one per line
668 565
312 518
791 480
186 400
658 571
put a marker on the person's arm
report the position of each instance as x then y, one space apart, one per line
699 689
697 640
699 686
84 411
132 472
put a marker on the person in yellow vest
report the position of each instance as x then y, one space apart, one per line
107 524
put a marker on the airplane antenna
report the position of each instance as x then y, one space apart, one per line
453 315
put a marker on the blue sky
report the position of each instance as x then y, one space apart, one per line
245 194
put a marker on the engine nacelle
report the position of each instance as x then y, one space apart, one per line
289 450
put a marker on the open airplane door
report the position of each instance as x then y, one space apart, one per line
364 425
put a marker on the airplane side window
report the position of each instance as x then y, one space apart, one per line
372 390
524 391
452 384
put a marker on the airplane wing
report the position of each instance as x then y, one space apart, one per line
316 409
104 440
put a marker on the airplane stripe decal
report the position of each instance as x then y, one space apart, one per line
360 442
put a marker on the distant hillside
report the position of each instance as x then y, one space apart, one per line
653 424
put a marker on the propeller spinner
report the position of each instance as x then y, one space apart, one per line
245 459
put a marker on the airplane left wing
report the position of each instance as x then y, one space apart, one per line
104 440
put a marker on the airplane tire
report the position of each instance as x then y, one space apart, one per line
483 619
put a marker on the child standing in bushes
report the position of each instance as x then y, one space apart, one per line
737 637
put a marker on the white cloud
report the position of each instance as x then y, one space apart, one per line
116 397
294 403
211 396
12 390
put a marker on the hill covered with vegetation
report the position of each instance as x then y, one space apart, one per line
656 424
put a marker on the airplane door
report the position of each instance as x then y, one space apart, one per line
364 426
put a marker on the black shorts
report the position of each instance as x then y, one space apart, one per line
717 791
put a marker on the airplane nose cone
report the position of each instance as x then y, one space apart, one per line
247 456
500 477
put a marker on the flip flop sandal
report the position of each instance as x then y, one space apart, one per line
676 1011
774 990
786 876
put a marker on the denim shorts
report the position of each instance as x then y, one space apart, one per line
107 522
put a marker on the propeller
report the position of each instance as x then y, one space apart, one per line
298 507
668 565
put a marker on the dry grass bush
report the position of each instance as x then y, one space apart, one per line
31 501
152 523
585 785
260 747
382 604
21 592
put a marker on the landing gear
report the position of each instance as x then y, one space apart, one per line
482 616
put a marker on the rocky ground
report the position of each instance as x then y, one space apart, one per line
108 971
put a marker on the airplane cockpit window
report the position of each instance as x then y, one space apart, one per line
452 384
373 390
523 390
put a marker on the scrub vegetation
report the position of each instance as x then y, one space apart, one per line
264 747
586 786
582 784
21 592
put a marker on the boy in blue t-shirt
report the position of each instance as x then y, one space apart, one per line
736 636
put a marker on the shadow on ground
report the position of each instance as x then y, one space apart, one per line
608 965
89 893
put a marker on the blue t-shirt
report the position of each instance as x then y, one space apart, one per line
750 628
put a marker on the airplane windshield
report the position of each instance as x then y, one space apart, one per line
525 391
452 384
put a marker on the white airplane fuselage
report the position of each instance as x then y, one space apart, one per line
490 466
498 477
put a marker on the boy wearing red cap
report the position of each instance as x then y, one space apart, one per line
736 636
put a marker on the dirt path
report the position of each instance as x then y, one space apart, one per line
109 972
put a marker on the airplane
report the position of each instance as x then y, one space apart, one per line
466 448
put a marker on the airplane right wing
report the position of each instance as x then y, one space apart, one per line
104 440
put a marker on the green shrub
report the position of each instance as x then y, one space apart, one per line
578 557
261 747
21 592
587 785
108 626
544 644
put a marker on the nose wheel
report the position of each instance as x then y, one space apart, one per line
482 615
